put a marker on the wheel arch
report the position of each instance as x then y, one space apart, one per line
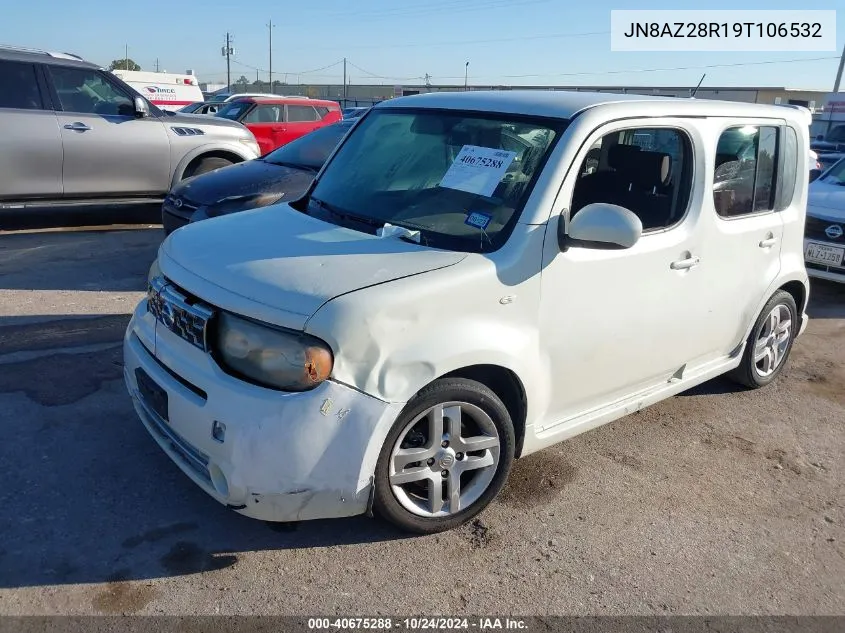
796 285
506 384
194 157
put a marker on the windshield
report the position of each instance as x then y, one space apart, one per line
835 175
837 135
461 179
233 110
309 151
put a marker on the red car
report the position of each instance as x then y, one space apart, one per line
277 121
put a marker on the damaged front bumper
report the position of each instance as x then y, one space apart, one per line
266 454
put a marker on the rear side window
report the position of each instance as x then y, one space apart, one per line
297 113
789 167
265 114
19 86
745 172
322 111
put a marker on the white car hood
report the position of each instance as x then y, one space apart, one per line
826 200
289 262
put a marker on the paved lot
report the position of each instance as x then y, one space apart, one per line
717 501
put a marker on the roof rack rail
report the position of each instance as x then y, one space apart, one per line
26 49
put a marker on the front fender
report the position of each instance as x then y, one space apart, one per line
393 339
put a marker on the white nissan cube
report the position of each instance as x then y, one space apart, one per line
471 277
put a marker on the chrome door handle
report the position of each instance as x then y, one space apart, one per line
77 127
768 242
684 264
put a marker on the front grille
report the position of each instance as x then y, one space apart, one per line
180 313
839 270
824 230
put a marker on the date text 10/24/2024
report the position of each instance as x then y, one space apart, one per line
417 624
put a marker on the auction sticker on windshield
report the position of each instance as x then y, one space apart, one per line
477 170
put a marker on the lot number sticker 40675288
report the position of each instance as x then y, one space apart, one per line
477 170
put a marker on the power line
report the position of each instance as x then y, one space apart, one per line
433 8
367 72
467 42
649 70
289 72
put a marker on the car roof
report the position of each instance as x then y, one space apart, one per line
33 55
565 104
283 100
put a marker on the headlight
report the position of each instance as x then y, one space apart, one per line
242 203
287 360
155 271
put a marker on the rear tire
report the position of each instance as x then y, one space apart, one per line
769 344
206 165
446 457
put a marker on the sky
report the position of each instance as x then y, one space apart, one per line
507 42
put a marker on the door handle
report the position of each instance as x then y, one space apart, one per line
77 126
685 264
768 242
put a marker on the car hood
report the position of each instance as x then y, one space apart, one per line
248 178
279 265
830 199
199 120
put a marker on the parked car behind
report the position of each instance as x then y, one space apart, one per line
277 121
472 277
354 113
283 174
73 134
824 231
200 107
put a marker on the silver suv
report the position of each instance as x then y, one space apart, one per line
74 134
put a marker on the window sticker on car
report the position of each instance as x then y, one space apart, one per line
478 219
477 170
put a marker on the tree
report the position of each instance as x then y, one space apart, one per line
242 81
124 64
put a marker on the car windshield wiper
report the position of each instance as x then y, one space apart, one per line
346 215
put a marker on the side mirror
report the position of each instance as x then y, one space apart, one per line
814 174
142 109
819 137
602 225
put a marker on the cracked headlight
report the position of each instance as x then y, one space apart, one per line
272 357
242 203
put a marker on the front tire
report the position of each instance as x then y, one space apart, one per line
769 343
446 457
205 165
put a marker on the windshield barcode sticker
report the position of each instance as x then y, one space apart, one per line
478 219
477 170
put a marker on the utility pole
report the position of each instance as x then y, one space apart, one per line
271 26
466 76
227 53
156 64
838 81
344 81
126 56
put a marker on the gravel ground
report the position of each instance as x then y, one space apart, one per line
718 501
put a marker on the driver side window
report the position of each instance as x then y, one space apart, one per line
645 170
85 91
